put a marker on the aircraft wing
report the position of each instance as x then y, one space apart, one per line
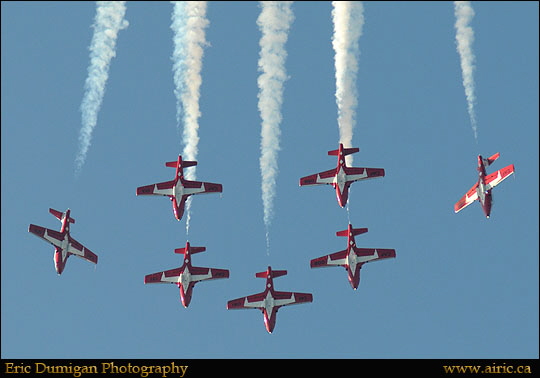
77 249
159 189
251 301
326 177
200 274
496 178
467 199
197 274
281 298
51 236
334 259
196 187
167 276
375 253
285 298
356 173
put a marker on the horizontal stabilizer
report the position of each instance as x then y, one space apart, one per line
184 163
355 231
491 159
192 250
275 273
346 151
188 163
59 215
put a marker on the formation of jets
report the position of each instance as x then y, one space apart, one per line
270 300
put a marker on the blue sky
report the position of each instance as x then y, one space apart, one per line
461 286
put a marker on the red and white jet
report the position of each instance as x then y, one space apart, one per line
481 191
342 176
187 275
270 300
62 241
353 257
179 189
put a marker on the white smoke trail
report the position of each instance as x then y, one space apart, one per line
348 19
464 39
108 22
274 22
188 25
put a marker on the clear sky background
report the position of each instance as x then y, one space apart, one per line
461 286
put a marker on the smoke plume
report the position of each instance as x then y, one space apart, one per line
108 22
188 24
348 20
464 40
274 22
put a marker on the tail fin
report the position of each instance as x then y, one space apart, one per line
274 273
59 215
355 231
491 159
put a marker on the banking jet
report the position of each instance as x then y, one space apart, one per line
270 300
179 189
187 275
342 176
62 241
481 191
353 258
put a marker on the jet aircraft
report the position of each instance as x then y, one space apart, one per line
179 189
342 176
353 257
270 300
62 241
481 191
187 275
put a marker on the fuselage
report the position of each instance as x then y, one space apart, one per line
352 273
178 190
61 253
185 284
484 196
341 186
269 311
353 262
178 199
340 180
